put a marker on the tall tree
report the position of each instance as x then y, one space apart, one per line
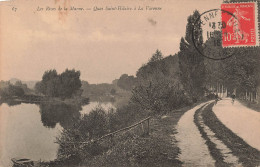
191 63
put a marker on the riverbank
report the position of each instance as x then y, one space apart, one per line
136 149
157 149
37 99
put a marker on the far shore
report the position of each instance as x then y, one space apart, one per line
45 99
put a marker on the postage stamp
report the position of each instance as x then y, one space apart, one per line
242 26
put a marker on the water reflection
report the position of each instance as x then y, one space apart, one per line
30 130
61 113
22 134
92 105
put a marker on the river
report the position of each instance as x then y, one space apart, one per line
30 130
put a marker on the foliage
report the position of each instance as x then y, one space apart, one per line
11 91
130 149
92 126
134 151
106 92
126 82
158 88
113 91
156 56
70 82
21 85
90 90
63 85
159 97
240 71
191 63
84 129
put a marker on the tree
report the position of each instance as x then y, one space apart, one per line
70 83
191 63
126 82
63 85
240 71
10 90
48 86
156 56
158 88
113 91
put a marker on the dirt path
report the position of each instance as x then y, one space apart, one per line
241 120
194 151
234 146
218 150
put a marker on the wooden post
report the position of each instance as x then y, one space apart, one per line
143 128
256 97
222 95
148 125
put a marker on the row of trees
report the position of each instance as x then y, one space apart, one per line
166 83
63 85
239 73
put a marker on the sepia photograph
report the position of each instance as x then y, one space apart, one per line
129 83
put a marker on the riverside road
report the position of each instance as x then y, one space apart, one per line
232 139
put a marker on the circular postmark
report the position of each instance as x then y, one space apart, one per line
210 26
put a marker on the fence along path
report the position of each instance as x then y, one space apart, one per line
121 130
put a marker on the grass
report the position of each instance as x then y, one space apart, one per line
157 149
132 148
247 155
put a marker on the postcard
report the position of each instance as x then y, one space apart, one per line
94 83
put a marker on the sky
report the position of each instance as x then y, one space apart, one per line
102 44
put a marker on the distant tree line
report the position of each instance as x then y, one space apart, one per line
126 82
63 85
9 90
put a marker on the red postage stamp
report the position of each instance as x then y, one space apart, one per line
240 24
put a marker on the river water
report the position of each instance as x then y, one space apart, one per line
30 130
